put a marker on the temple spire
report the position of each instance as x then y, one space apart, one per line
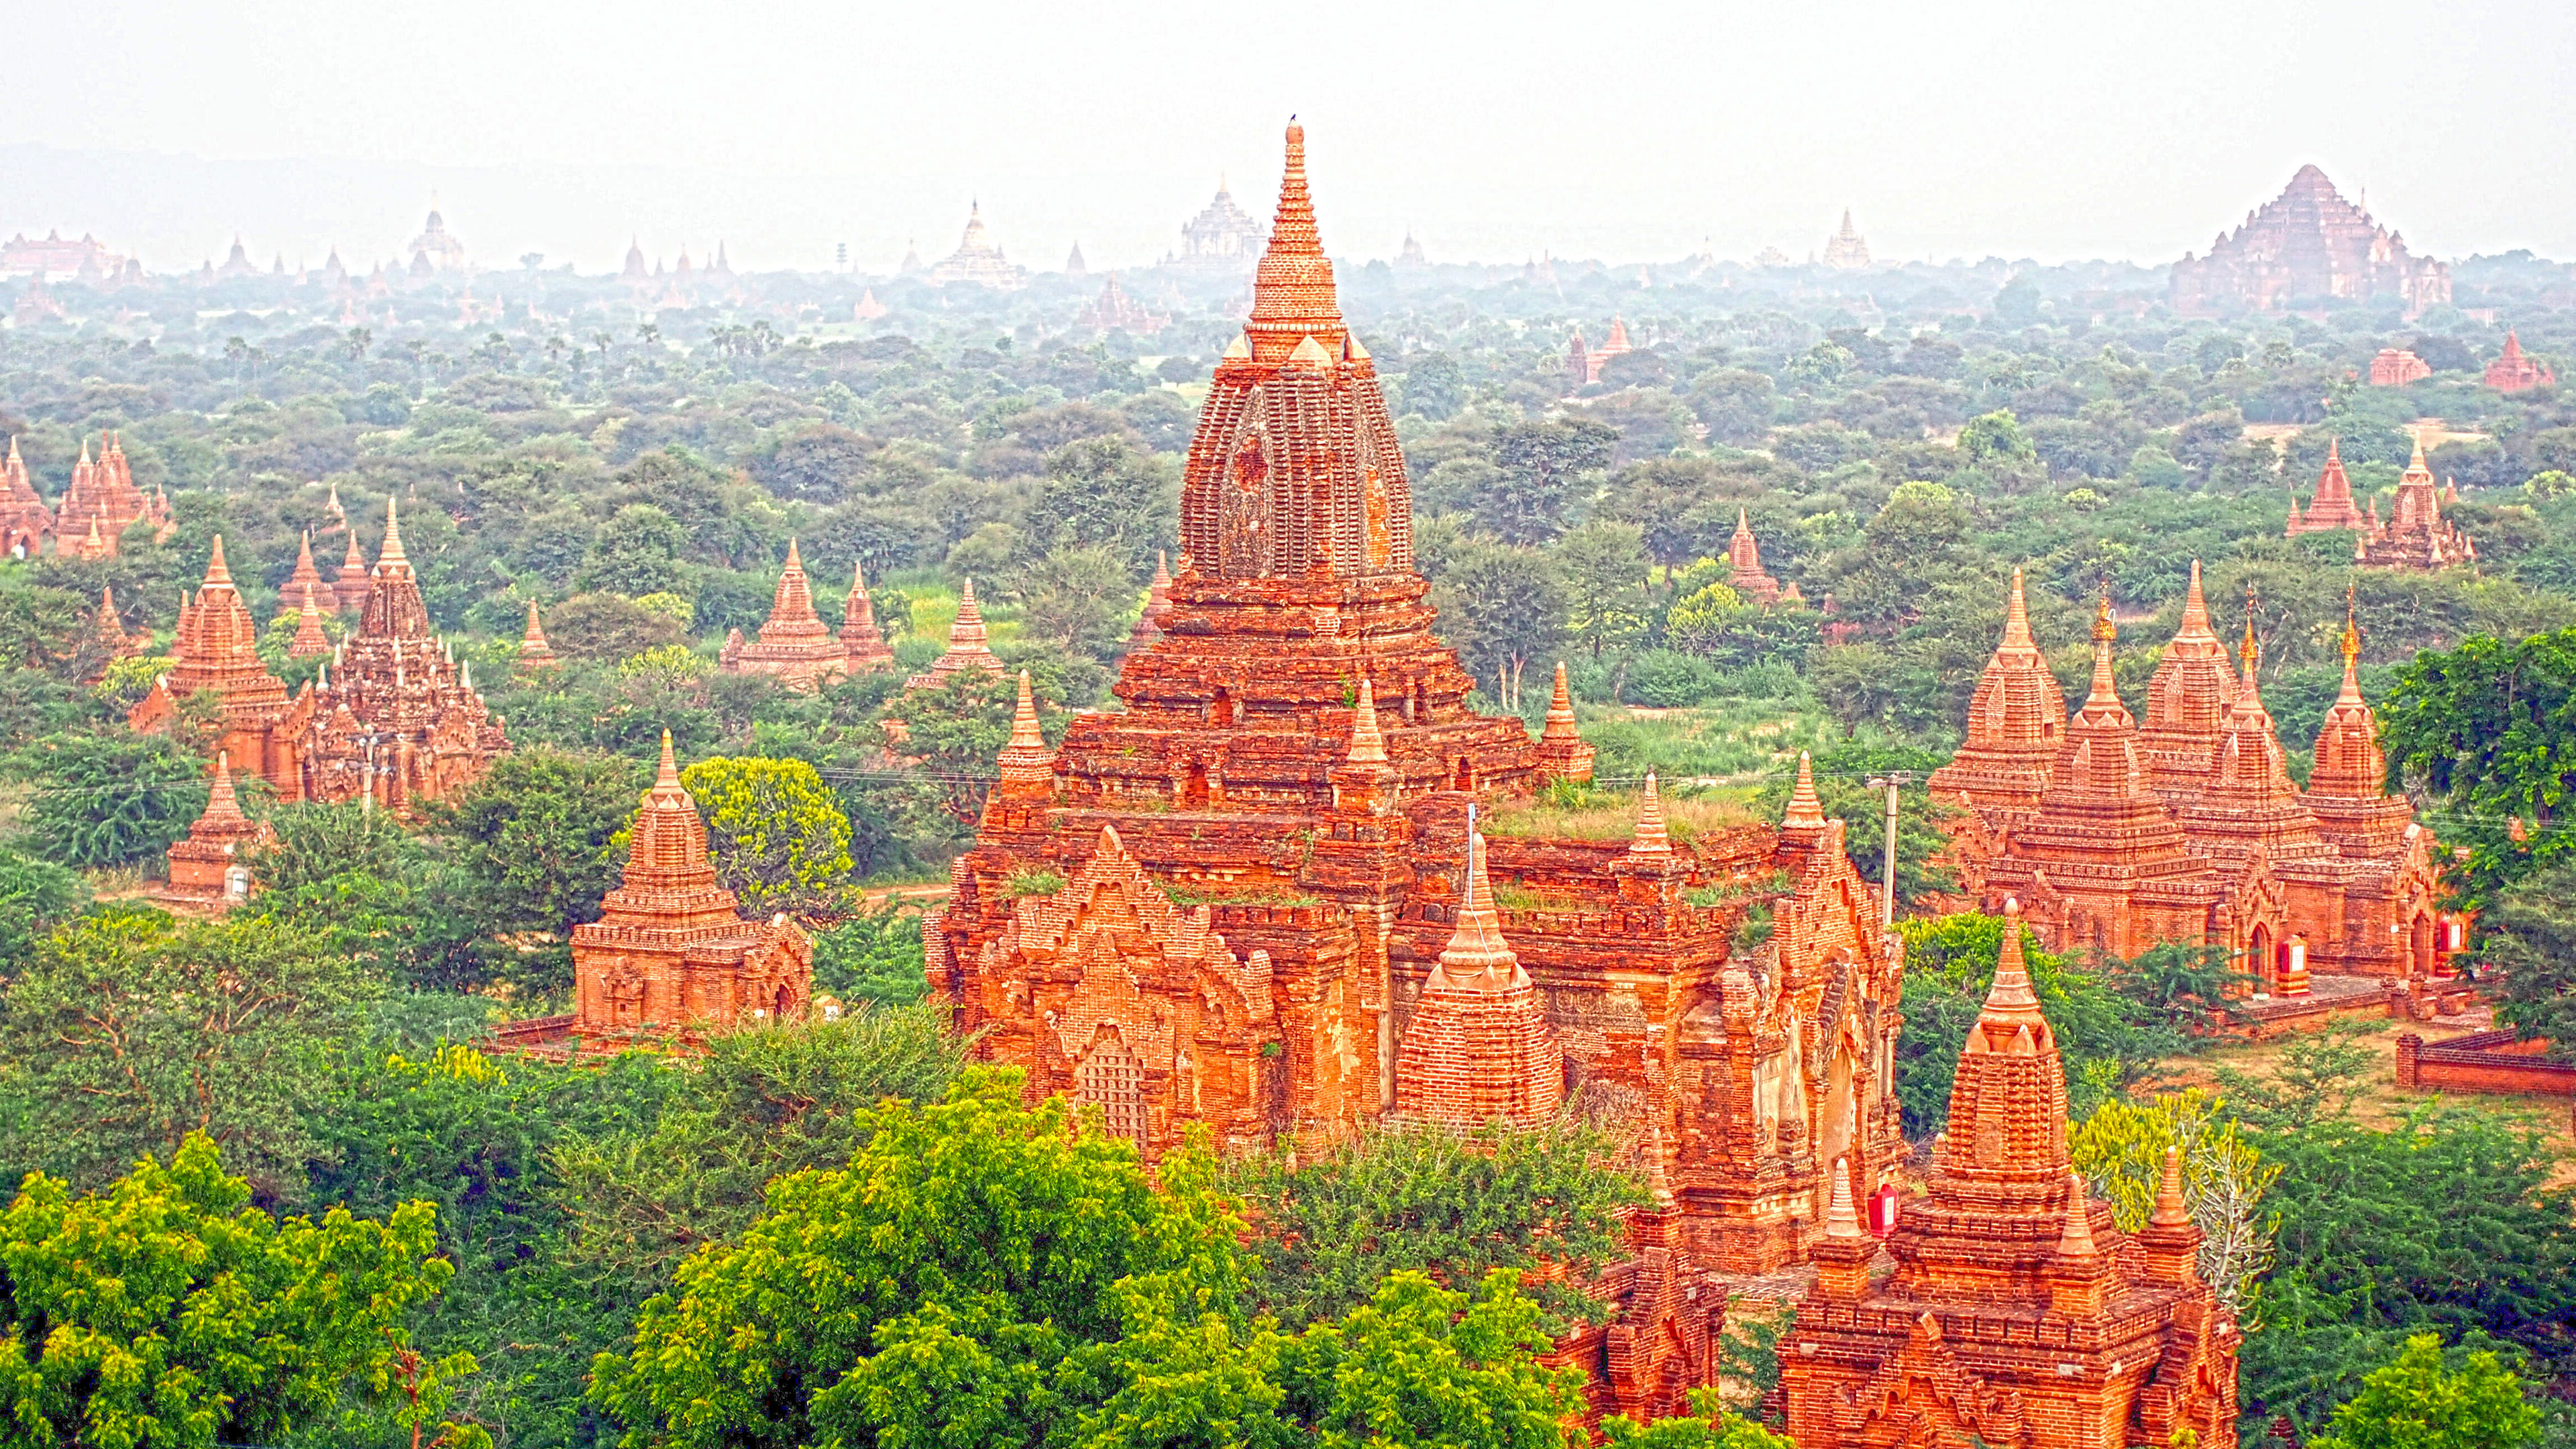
1652 837
1368 744
2351 646
2106 691
218 576
1805 812
1024 720
391 556
1293 297
2017 615
2010 1000
1477 954
2170 1211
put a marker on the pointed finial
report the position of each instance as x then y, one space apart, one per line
1368 743
1840 1220
217 575
392 552
2017 617
1560 710
2248 652
1806 812
2011 992
2170 1210
1652 838
2077 1240
668 776
793 561
2418 465
2195 608
1024 719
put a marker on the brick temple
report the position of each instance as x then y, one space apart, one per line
795 647
2117 833
1297 885
2301 249
2512 371
392 717
2017 1311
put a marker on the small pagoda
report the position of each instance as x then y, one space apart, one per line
304 586
2416 538
349 585
1478 1048
217 652
2016 721
2332 507
2187 705
671 952
103 500
209 871
2018 1311
968 646
1562 753
536 656
863 644
1158 605
25 522
1745 573
2514 371
795 647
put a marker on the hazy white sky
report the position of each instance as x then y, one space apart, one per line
1623 130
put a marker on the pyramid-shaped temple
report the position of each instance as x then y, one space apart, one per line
1306 886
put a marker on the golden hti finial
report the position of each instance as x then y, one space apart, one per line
2104 631
2351 628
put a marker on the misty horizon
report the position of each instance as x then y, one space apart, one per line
1630 134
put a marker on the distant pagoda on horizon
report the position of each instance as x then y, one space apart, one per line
2304 248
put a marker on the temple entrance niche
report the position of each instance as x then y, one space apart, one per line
2419 943
2267 971
1194 786
1113 1079
1840 1126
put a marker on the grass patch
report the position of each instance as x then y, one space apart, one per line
1033 883
1522 898
1186 895
1728 892
1582 812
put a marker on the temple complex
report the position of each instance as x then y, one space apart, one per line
2186 827
671 951
977 262
2303 248
103 500
1297 885
217 653
1745 574
435 247
2514 371
2332 507
968 648
795 647
2018 1312
1583 364
2396 367
207 870
1844 250
1221 235
863 644
394 718
2416 536
1114 311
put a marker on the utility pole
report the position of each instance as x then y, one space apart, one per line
1887 864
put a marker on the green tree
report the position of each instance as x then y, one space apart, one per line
2529 936
637 551
127 1032
1996 439
775 829
2488 730
2121 1147
1500 608
1603 565
108 799
1425 1365
1107 493
957 731
606 626
35 896
875 957
2421 1401
538 835
938 1289
1854 682
1073 599
1543 464
1458 1205
167 1312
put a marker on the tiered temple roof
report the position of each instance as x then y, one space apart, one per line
863 644
2018 1312
349 585
1745 574
535 654
2332 507
795 646
1158 605
2416 537
2516 371
25 521
671 952
2190 830
304 586
2302 248
2015 723
978 261
1844 249
217 651
208 869
1221 235
102 499
967 646
394 718
1296 764
2397 367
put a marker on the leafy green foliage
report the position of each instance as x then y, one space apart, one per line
35 896
2121 1148
2529 940
875 957
109 799
777 834
2489 729
2421 1401
538 833
167 1312
128 1033
1457 1205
